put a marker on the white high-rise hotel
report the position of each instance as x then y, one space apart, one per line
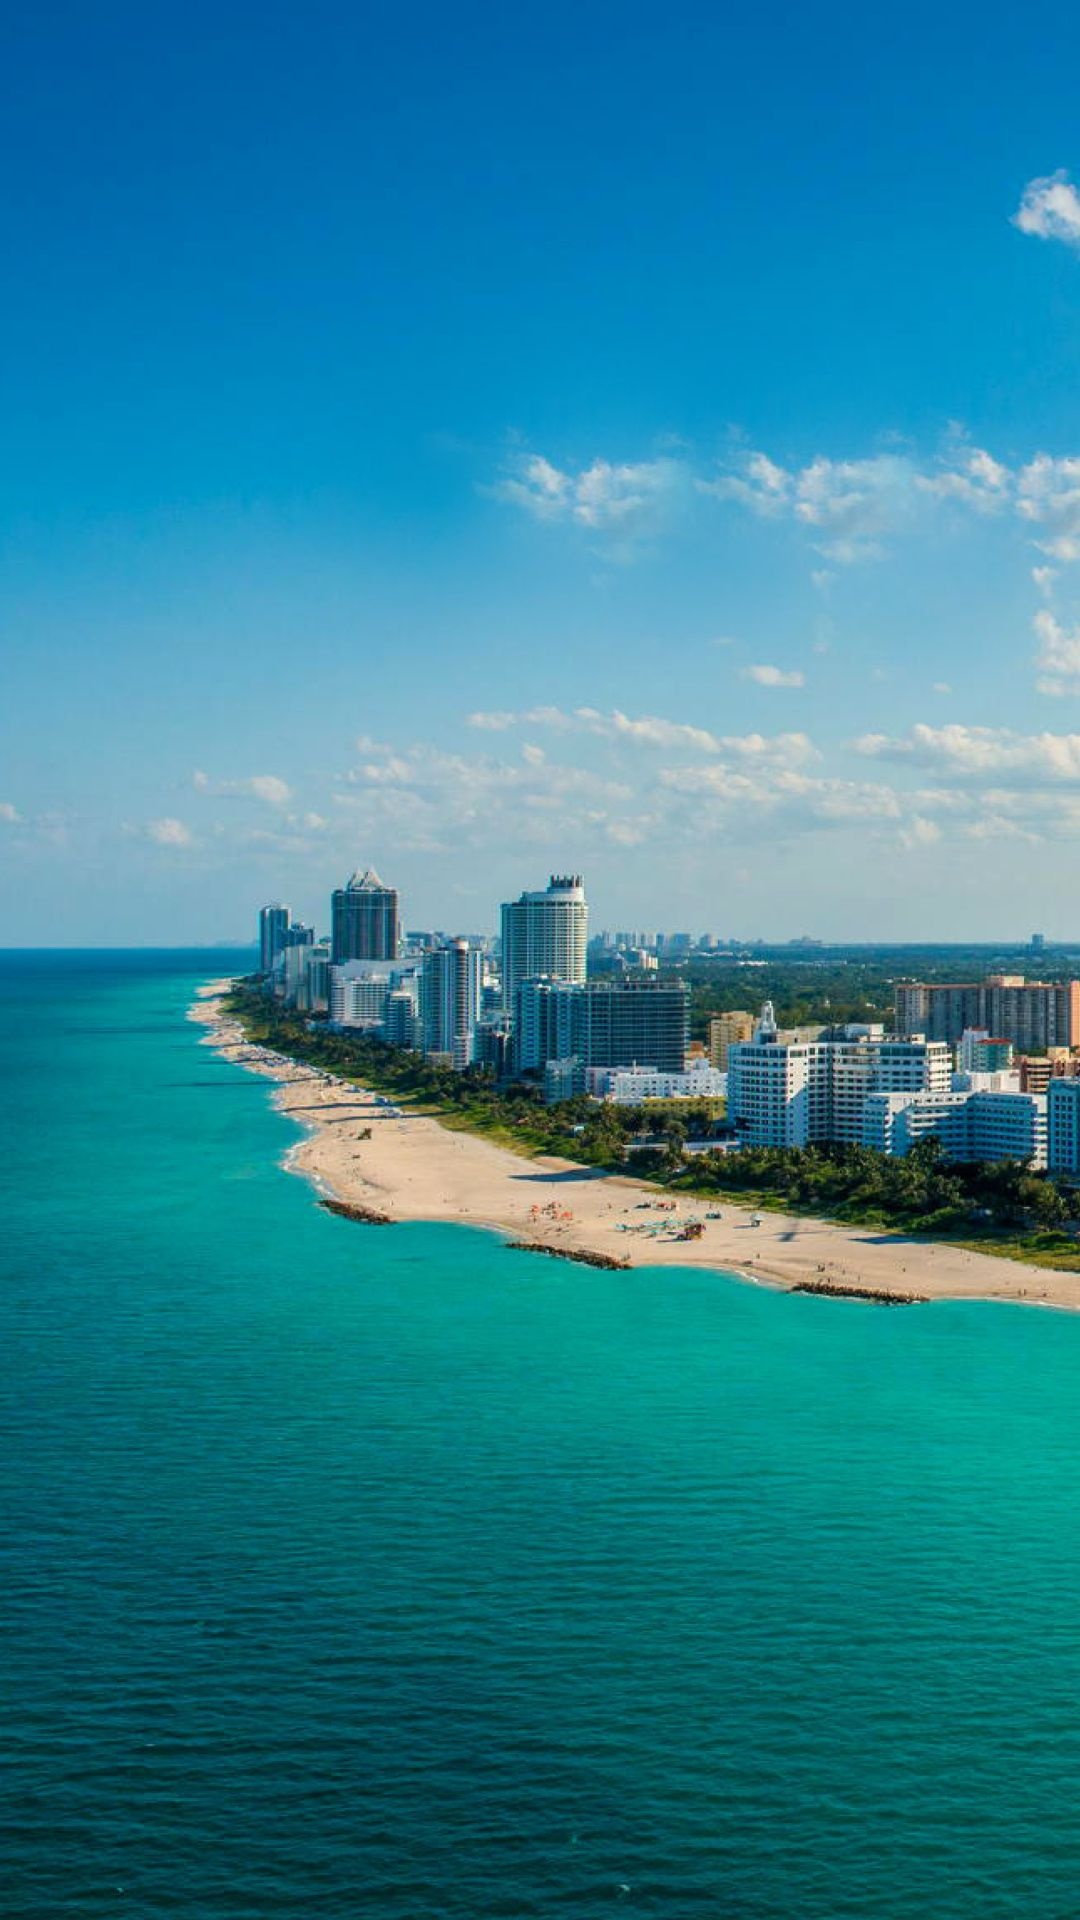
788 1094
545 934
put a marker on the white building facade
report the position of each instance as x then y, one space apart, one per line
451 1000
358 990
545 933
970 1125
629 1086
795 1093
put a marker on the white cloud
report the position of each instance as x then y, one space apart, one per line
852 503
974 752
810 800
767 676
680 786
1044 578
630 498
942 686
970 476
851 506
266 787
1048 497
169 833
847 505
649 730
9 813
920 833
994 826
761 485
1058 656
1050 209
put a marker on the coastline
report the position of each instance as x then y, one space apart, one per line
412 1169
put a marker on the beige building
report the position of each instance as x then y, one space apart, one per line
728 1030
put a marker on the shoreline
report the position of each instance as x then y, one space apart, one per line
360 1151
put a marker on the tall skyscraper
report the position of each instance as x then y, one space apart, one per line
365 923
452 992
545 933
273 927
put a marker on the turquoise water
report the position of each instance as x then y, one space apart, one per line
387 1572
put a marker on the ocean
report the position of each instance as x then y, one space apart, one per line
387 1572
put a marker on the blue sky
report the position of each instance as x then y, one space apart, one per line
477 441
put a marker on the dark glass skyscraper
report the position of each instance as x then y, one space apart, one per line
365 921
273 929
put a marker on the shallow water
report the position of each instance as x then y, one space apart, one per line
354 1571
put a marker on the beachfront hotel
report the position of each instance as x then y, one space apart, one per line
545 934
794 1093
365 921
451 999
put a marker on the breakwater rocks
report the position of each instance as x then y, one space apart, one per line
581 1255
881 1299
367 1216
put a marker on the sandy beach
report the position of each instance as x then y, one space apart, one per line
362 1150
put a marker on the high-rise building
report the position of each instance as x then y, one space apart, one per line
1033 1014
365 922
603 1023
541 1024
545 933
292 966
792 1093
625 1023
980 1052
726 1030
1063 1122
273 926
941 1012
453 983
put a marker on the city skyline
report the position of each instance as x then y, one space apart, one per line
704 505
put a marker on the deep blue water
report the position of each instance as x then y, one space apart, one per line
388 1572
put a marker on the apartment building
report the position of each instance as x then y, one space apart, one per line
726 1030
1063 1126
1031 1014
